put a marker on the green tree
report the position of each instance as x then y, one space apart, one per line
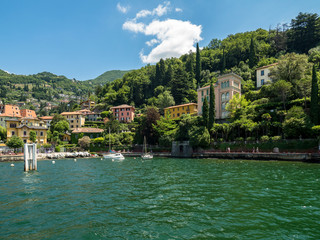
56 118
32 136
291 68
211 107
198 65
84 142
284 89
252 54
237 106
314 107
164 100
304 33
15 142
205 113
296 123
61 126
3 133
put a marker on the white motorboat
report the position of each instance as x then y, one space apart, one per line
146 155
114 156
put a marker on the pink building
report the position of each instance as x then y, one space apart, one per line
225 88
123 113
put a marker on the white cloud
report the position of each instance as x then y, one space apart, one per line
133 26
178 10
176 37
152 42
158 11
122 9
171 37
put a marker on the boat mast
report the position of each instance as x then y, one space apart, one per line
109 141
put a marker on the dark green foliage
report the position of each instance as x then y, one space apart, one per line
205 113
32 136
15 142
252 54
211 107
314 111
304 33
198 65
179 84
108 76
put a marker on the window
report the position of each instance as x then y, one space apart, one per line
24 133
122 119
121 114
71 126
207 92
173 115
178 114
262 82
72 121
182 108
25 141
12 133
223 97
223 106
202 93
41 133
262 72
127 114
13 125
227 96
228 84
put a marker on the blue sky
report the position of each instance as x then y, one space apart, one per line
83 38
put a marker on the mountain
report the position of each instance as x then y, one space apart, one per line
108 76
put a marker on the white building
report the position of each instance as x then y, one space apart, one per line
263 75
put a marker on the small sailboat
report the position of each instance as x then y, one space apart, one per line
145 155
112 154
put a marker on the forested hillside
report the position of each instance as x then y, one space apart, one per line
106 77
286 107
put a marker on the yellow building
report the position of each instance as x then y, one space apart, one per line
75 119
179 110
22 128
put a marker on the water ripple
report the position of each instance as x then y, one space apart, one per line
160 199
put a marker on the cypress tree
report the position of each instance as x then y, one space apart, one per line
211 107
168 75
252 54
162 71
205 112
314 107
223 62
198 65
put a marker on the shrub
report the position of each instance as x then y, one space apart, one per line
264 138
276 138
316 131
251 139
239 139
57 149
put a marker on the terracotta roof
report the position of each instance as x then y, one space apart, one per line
87 130
182 105
71 113
123 106
46 118
267 66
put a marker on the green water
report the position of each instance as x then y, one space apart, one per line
160 199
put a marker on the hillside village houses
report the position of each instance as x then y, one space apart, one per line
21 122
263 75
75 119
225 88
123 113
174 112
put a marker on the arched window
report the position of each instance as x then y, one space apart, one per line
227 96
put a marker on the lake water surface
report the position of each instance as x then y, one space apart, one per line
160 199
